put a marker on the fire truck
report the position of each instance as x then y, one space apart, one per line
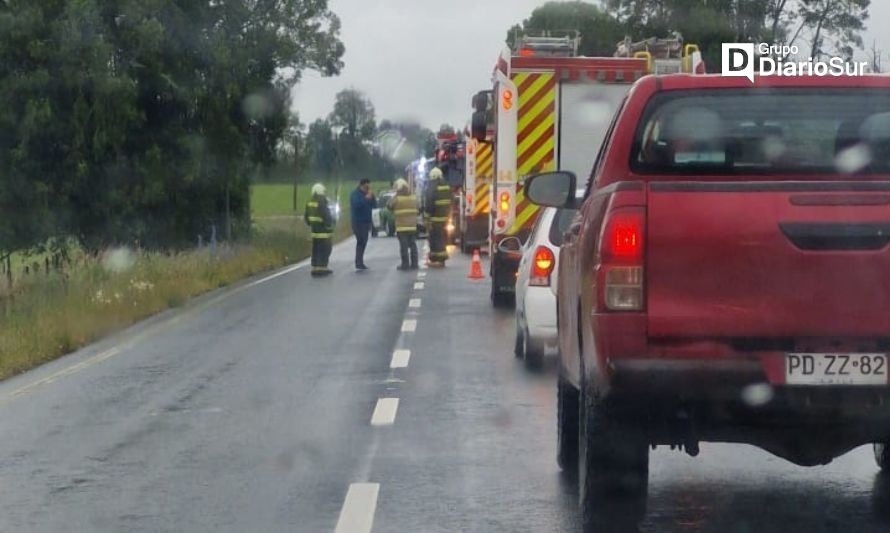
450 158
475 205
550 109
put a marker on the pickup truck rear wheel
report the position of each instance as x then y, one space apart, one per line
613 464
566 425
882 455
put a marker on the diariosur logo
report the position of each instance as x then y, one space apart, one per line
745 59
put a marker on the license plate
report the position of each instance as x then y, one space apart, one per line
836 369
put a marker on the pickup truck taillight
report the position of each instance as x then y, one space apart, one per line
621 253
542 266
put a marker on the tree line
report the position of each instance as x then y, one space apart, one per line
143 121
819 28
350 144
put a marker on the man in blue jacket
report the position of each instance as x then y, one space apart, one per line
361 202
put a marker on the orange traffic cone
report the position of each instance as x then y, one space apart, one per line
476 266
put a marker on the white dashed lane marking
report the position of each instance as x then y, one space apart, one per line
400 358
385 412
360 505
357 514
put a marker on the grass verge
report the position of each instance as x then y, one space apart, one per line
60 313
48 316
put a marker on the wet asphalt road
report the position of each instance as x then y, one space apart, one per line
250 410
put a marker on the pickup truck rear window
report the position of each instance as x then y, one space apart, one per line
765 131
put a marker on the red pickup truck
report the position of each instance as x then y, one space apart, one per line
727 278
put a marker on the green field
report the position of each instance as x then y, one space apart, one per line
276 199
272 199
271 206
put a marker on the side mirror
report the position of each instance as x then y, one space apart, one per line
480 100
551 189
510 245
479 125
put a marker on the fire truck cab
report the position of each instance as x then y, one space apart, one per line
550 109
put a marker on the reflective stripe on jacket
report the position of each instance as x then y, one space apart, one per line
318 216
439 201
404 207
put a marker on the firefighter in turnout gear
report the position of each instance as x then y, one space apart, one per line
321 224
438 207
404 207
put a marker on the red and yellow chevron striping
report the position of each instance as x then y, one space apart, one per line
536 138
484 161
484 168
482 204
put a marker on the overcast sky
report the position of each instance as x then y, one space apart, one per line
423 60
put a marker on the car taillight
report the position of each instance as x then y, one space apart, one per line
622 244
542 266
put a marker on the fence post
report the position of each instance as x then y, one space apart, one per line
9 271
213 241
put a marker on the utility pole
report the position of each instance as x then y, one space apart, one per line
297 167
877 57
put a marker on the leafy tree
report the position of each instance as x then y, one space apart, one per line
710 23
779 16
354 113
145 119
599 30
322 147
835 26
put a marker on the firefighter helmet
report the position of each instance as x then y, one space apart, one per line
318 190
435 174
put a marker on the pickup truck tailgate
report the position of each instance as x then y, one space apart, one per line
768 259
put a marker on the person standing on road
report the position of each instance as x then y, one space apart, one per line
404 207
438 206
321 224
361 202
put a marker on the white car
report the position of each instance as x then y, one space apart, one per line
536 332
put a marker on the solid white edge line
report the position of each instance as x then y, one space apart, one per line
385 412
414 303
400 359
409 325
357 513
